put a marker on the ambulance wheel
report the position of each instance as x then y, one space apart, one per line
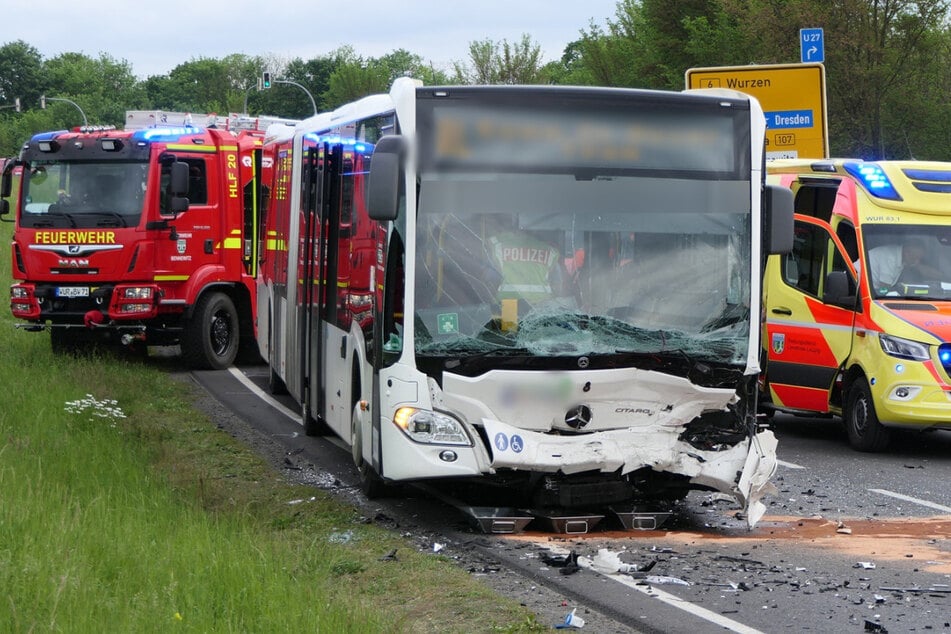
210 340
866 433
371 483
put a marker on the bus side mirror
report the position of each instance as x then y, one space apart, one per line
778 219
385 185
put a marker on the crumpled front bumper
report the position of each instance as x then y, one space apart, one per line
657 447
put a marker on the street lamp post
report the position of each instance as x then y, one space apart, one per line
294 83
44 99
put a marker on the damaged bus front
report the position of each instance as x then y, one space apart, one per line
566 289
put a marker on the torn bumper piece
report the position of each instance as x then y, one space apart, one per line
657 447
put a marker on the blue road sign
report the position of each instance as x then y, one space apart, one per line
812 45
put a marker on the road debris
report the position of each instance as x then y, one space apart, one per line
571 620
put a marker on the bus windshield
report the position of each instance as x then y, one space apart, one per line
83 194
577 281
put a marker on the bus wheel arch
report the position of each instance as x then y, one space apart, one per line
865 431
371 483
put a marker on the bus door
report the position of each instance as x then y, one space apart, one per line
807 337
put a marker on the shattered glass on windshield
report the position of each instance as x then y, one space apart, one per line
519 264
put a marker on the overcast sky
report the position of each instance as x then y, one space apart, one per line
155 36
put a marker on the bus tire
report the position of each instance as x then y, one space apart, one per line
371 483
210 340
865 431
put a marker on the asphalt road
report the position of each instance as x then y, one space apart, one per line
850 542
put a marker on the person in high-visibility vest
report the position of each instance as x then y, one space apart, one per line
531 268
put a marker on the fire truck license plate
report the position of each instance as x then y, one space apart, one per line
72 291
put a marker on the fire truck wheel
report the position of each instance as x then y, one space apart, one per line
866 433
210 340
371 483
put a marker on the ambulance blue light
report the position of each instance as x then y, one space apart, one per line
873 179
944 356
165 134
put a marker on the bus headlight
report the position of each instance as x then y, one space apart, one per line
432 428
904 348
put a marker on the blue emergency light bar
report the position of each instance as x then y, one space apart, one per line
47 136
165 135
873 179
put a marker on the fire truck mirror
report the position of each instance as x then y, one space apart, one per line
385 185
178 204
179 180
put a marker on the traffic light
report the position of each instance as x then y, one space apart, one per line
266 80
16 104
43 102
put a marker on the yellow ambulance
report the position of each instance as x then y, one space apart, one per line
858 315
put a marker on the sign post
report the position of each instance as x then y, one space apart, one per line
793 97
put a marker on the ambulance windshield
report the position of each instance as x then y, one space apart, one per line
83 194
909 261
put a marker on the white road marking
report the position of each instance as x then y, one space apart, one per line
908 498
264 396
675 601
789 465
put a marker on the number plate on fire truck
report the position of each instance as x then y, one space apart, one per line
72 291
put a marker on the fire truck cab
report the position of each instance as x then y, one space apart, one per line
142 236
858 315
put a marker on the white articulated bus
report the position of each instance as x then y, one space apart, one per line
550 289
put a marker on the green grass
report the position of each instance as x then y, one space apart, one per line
127 510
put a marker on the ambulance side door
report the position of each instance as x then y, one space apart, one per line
808 333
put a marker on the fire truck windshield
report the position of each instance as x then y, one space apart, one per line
552 265
83 194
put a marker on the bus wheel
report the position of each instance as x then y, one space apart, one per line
371 483
861 421
210 340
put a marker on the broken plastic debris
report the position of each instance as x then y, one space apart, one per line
571 620
659 580
872 626
301 500
341 538
609 562
437 547
843 529
867 565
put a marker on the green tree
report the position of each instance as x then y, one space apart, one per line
21 75
501 63
103 88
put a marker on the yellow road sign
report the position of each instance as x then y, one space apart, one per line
793 96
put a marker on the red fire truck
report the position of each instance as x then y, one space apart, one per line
144 236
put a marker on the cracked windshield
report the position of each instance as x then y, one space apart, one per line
909 261
553 264
88 194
